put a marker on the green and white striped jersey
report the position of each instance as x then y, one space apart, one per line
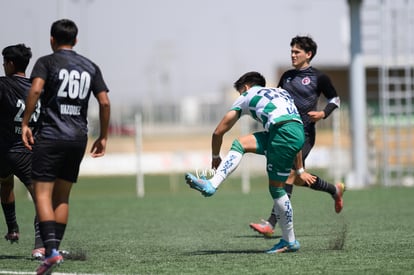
267 105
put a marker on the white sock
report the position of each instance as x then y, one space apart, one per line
226 167
284 216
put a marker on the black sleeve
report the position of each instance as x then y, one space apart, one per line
329 108
1 90
328 90
326 87
98 83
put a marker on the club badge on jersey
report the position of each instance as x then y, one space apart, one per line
306 81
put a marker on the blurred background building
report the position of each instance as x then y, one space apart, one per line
173 63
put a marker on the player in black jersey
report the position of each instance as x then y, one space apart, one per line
64 80
306 84
15 159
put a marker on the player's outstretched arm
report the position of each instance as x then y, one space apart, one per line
227 122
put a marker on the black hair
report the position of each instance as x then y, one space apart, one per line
20 56
251 79
306 43
64 31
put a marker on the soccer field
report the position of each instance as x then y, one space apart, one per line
174 230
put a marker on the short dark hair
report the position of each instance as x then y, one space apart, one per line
306 43
19 54
251 79
64 31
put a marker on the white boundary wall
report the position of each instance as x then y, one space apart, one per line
177 162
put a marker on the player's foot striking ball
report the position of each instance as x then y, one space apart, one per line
203 185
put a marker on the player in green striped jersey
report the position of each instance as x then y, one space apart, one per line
280 142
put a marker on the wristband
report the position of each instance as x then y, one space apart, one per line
300 171
215 156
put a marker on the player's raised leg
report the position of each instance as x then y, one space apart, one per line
226 167
200 184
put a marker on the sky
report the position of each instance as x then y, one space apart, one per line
169 49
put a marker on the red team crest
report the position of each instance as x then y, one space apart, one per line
306 81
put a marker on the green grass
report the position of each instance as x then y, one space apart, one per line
174 230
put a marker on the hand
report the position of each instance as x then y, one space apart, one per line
215 162
98 148
307 178
316 115
27 137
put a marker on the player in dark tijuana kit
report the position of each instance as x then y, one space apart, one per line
64 80
15 159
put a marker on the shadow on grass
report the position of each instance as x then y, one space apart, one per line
216 252
13 257
76 255
258 237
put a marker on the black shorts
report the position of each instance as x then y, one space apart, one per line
307 147
54 159
18 164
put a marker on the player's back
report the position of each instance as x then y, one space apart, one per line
13 93
268 105
69 80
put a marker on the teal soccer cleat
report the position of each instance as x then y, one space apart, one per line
283 246
202 185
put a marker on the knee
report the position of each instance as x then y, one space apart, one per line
237 146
